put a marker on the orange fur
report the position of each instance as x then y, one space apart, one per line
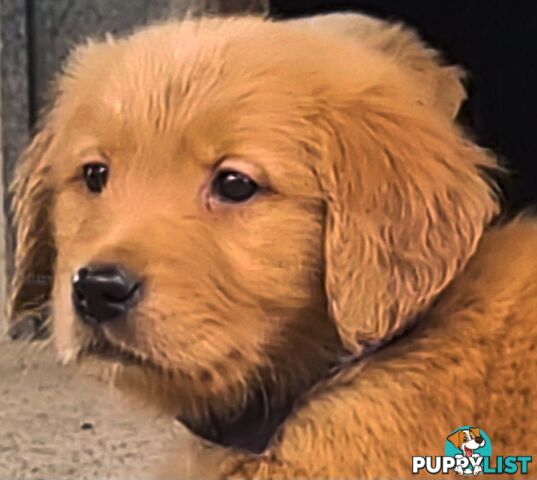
373 221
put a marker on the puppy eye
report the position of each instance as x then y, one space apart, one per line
95 176
233 186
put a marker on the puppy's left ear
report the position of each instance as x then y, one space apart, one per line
456 438
34 256
407 203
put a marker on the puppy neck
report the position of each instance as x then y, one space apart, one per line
252 429
258 424
251 418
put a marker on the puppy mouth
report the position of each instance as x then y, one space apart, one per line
106 350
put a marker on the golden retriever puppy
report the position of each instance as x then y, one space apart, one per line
277 234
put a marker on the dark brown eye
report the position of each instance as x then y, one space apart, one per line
95 176
232 186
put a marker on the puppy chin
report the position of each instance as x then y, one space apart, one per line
145 384
140 385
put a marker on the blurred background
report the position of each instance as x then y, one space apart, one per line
54 426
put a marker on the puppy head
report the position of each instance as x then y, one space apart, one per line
366 202
470 439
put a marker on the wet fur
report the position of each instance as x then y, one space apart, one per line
372 242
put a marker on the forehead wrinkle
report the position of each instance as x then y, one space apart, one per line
186 65
201 87
156 96
177 90
172 68
132 79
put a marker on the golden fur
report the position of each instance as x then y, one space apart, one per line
368 241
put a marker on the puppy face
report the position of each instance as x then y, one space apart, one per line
467 440
230 289
271 192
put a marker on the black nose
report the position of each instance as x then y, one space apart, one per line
479 439
104 293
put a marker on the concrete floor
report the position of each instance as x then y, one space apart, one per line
57 424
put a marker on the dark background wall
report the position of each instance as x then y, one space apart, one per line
496 42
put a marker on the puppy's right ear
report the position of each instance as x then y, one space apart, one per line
438 85
34 252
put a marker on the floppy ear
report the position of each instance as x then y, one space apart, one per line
456 438
34 255
475 431
406 206
440 86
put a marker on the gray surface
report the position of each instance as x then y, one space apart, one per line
42 408
14 71
14 92
3 285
